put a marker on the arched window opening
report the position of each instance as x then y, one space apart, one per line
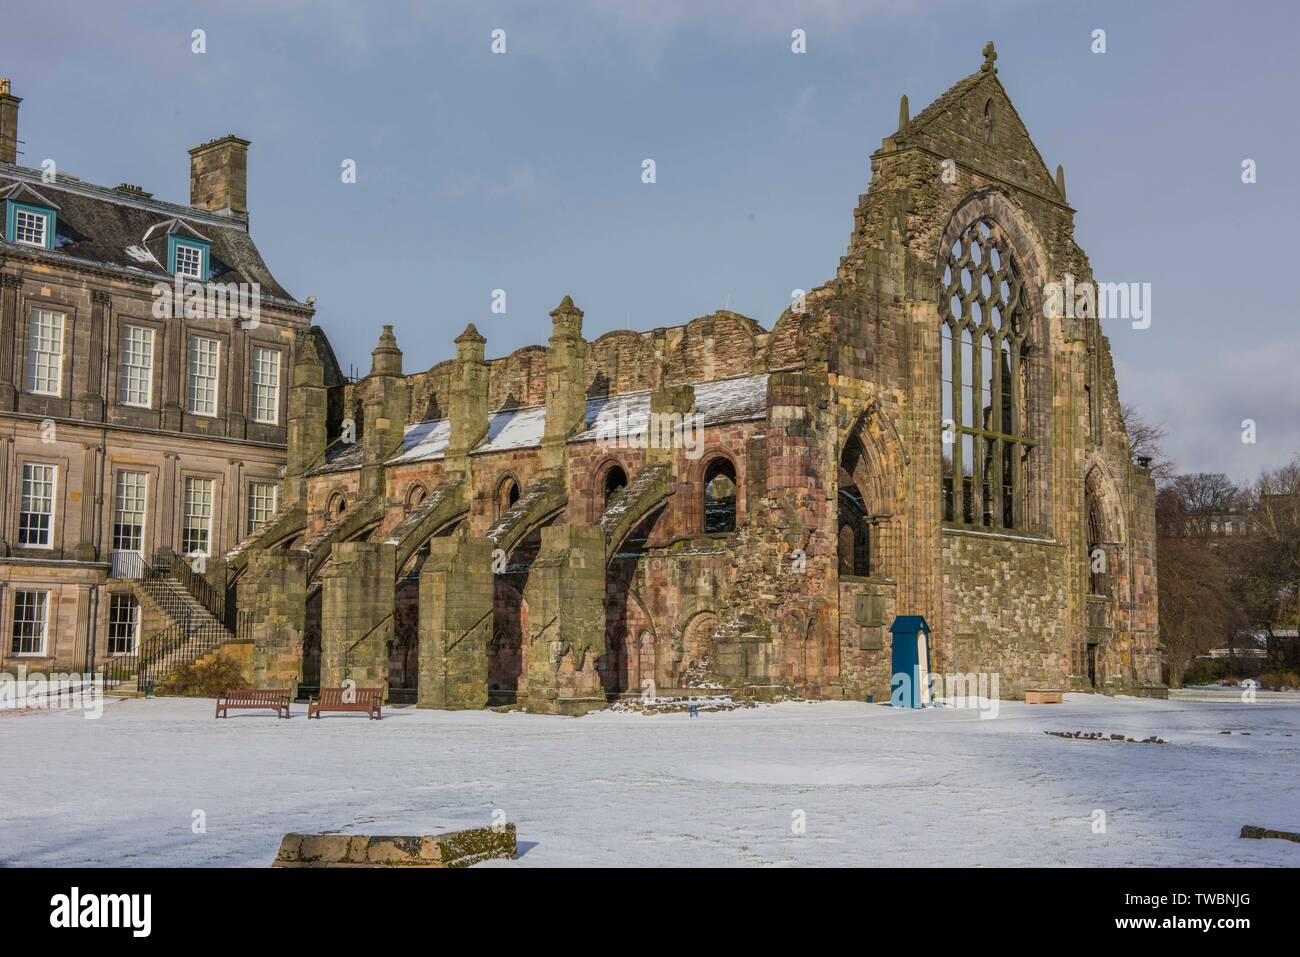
507 495
854 516
338 504
720 496
415 496
855 534
984 356
615 481
1098 557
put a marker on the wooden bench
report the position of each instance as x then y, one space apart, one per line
368 700
274 698
1042 696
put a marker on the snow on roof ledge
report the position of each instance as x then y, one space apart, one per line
729 400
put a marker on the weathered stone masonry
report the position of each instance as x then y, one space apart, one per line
916 436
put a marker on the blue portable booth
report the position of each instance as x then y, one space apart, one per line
910 685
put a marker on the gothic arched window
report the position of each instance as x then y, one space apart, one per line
985 353
507 495
338 504
1098 579
415 496
720 496
615 481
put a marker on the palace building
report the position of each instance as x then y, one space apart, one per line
135 427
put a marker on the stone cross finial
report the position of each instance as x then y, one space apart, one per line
990 55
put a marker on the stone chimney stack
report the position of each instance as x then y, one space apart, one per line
469 398
566 394
386 406
8 123
219 176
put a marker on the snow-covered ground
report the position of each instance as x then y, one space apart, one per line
875 785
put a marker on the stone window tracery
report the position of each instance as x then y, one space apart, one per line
985 351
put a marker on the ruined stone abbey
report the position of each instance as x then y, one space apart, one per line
719 504
912 437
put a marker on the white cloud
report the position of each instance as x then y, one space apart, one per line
1204 399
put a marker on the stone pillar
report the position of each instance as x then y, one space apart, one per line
177 345
10 299
456 588
385 410
800 448
674 404
308 432
236 417
468 406
566 608
566 385
90 404
357 609
1143 578
92 495
275 593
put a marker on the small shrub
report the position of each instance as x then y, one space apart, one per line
1279 680
1203 671
197 680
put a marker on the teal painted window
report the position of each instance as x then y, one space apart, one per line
30 225
188 257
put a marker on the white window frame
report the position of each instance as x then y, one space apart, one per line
44 231
44 622
186 255
116 599
266 386
135 378
38 359
269 510
195 381
120 486
24 501
187 526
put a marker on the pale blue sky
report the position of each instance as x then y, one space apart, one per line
522 171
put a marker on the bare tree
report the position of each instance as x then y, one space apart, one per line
1146 440
1269 575
1199 606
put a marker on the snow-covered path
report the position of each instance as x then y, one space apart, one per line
877 786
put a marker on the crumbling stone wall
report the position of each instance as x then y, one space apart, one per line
854 396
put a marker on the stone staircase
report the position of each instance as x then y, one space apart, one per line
171 598
191 631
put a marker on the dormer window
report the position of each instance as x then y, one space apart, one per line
29 225
30 228
188 258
